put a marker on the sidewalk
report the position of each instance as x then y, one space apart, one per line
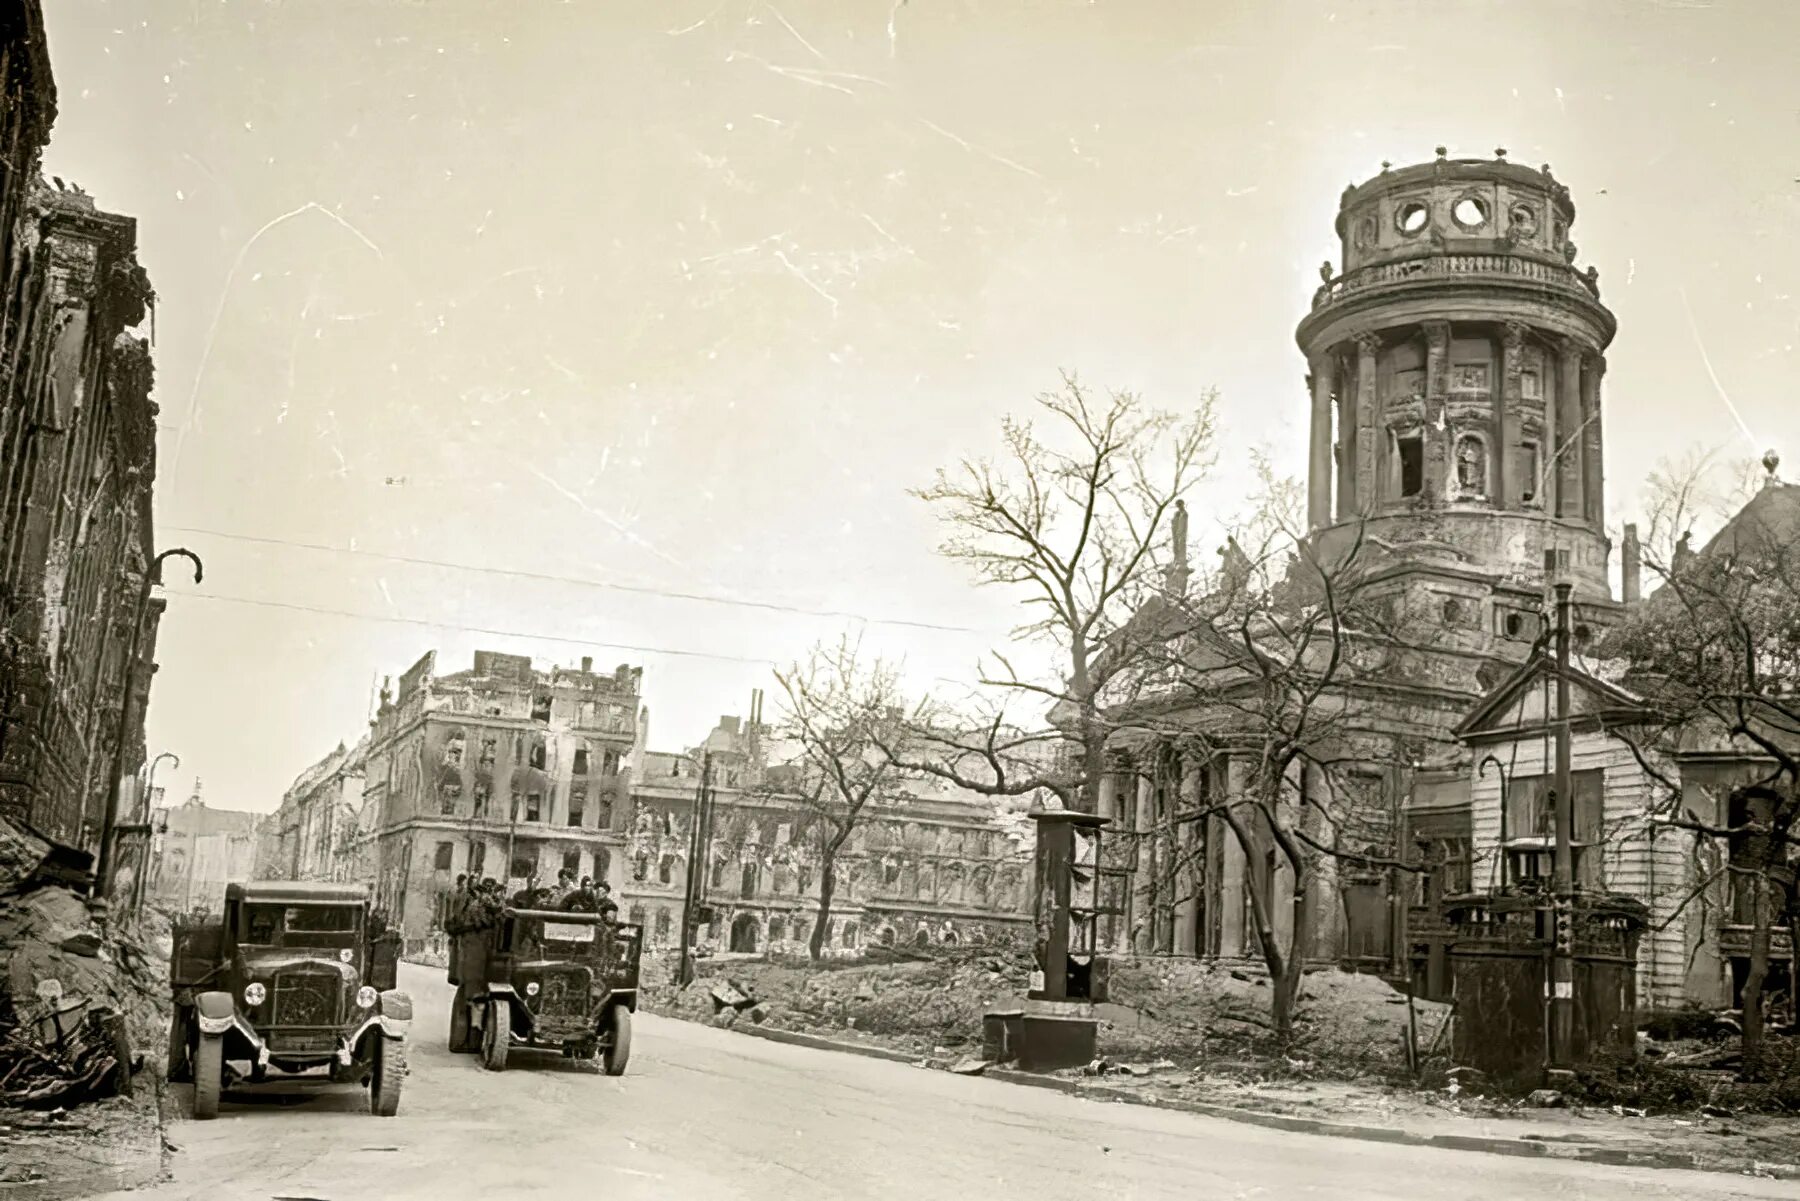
1749 1145
96 1148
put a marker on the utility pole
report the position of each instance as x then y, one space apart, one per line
152 577
698 839
1562 951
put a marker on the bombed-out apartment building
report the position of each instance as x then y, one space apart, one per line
77 461
499 770
933 867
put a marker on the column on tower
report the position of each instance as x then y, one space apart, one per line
1594 475
1569 431
1437 398
1507 401
1318 486
1368 402
1347 465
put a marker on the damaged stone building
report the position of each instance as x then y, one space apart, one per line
1455 365
312 835
500 770
935 868
77 463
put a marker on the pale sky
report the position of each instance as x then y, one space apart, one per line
684 294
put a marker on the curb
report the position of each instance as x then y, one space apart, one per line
1525 1148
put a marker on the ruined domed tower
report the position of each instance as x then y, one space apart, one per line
1455 367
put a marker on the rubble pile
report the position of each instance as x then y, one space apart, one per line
1172 1011
918 1004
77 995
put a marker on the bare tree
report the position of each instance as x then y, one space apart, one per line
1716 655
839 712
1266 667
1074 515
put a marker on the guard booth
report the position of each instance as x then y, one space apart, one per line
1056 1027
1500 962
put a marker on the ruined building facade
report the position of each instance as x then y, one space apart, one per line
313 835
1455 369
501 770
936 867
77 462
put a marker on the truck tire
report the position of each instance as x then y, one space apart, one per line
496 1036
181 1066
389 1075
459 1020
618 1050
209 1075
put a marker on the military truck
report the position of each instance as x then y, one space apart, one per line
547 979
296 978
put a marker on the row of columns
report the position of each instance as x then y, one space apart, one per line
1570 455
1197 905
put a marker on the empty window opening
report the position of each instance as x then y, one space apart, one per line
1410 451
1528 472
581 761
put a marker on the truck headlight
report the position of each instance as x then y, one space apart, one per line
254 994
365 997
531 990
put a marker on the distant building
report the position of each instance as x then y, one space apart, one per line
198 851
937 867
77 460
311 835
501 770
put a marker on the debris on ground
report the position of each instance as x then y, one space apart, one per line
83 996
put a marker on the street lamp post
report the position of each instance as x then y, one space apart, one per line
699 839
152 577
143 871
1562 956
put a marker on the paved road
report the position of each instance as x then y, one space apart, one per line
709 1115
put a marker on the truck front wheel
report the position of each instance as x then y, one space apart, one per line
209 1075
496 1036
389 1075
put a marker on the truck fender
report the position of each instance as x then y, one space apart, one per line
394 1010
507 995
215 1011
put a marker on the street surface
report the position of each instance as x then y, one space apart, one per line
714 1116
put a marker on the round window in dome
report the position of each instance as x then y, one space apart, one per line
1471 212
1411 217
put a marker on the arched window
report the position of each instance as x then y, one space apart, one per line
665 870
777 930
922 938
849 934
662 926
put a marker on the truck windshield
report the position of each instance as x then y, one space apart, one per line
268 925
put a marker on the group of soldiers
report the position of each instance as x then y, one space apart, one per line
479 904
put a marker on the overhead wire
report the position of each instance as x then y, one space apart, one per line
551 577
393 619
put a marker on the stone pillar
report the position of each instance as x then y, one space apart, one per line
1232 873
1143 893
1189 845
1569 431
1507 402
1318 485
1594 471
1437 398
1368 413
